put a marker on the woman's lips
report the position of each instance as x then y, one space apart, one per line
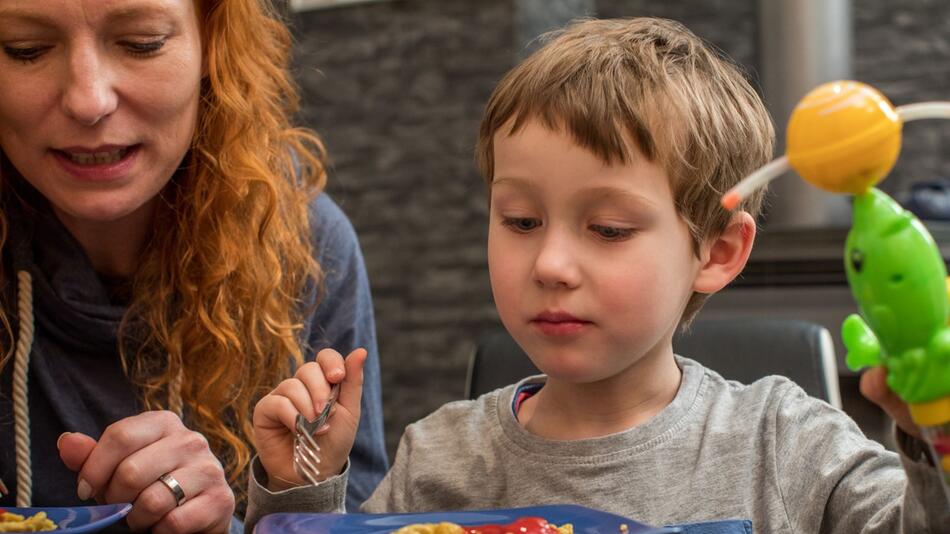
101 164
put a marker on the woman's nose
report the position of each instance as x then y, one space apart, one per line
556 264
88 95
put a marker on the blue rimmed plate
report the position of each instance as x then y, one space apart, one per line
585 521
76 519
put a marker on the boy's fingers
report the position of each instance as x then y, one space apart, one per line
275 411
351 389
298 394
331 362
312 376
874 388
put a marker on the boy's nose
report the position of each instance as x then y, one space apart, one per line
88 94
556 265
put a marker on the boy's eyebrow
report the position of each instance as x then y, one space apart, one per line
513 181
591 195
595 194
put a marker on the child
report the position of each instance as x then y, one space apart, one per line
605 154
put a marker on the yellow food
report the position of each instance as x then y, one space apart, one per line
431 528
37 522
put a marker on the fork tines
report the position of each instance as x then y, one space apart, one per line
305 453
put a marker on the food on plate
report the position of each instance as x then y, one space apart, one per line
38 522
525 525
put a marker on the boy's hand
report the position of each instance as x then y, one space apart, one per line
874 387
306 393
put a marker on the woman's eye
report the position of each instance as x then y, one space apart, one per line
611 233
139 48
26 54
521 224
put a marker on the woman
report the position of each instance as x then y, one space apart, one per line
166 257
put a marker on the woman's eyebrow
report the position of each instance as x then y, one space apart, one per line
125 13
132 12
20 16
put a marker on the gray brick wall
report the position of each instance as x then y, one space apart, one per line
397 88
730 25
903 49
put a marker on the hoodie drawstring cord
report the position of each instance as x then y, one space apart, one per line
21 407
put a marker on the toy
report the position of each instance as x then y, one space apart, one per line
844 137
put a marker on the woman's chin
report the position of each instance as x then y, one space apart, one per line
100 212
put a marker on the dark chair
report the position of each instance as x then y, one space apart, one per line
743 349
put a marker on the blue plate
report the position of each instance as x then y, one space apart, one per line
76 519
585 521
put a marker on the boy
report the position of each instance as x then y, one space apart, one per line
605 154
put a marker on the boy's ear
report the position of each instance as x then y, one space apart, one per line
725 256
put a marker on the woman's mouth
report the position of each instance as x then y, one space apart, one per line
100 164
97 158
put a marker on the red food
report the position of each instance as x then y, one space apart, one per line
525 525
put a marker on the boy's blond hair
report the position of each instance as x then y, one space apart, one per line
655 82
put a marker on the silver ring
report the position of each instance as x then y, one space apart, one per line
174 487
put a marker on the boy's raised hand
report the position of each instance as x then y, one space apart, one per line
874 387
306 393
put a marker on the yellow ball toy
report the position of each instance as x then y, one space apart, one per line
844 137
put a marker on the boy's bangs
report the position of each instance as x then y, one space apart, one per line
604 124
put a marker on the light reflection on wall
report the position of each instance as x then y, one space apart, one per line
304 5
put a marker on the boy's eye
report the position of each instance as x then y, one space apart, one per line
521 224
611 233
25 54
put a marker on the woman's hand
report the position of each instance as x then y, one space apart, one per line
874 388
306 393
127 461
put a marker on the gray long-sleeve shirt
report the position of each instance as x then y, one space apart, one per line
765 452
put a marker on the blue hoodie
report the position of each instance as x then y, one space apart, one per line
76 382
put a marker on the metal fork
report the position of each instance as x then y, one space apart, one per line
306 449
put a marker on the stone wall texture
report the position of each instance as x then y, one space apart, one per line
396 89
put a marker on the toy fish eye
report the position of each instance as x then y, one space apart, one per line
857 260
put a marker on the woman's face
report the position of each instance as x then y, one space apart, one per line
98 100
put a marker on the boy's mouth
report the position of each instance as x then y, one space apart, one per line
557 317
558 323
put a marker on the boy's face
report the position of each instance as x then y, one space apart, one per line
591 266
